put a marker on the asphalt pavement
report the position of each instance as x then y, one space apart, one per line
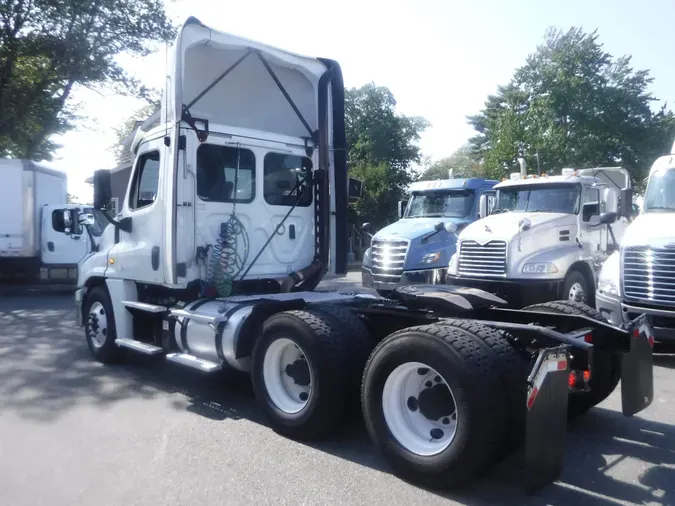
75 432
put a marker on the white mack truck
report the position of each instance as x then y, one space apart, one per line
546 237
235 209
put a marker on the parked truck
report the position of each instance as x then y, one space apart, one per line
236 208
639 278
546 237
33 243
418 247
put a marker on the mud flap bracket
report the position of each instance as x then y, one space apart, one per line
637 368
546 418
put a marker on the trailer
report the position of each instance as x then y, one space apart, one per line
235 210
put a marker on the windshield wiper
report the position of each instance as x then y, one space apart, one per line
500 210
541 210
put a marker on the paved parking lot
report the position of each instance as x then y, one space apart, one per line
76 432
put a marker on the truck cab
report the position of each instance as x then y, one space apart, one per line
546 237
417 248
640 277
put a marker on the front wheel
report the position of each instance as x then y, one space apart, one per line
577 289
434 406
99 325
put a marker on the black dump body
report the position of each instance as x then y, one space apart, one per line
560 344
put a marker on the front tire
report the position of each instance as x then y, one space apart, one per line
434 406
300 373
99 325
577 289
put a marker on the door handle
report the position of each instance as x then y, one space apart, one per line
291 231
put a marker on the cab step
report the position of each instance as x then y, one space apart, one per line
145 348
144 306
193 362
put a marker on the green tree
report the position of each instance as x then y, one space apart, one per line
382 150
50 47
574 105
128 125
462 162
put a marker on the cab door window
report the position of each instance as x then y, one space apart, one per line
146 181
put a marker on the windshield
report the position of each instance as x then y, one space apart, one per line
548 198
439 204
101 222
660 196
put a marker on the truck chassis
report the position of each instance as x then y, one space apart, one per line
450 379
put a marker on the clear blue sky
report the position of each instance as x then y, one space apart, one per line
440 58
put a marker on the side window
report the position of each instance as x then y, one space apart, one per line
491 200
219 168
590 203
287 180
146 181
58 222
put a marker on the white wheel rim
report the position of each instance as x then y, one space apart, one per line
287 375
97 324
577 293
418 410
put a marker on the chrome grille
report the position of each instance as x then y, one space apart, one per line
388 258
482 260
649 274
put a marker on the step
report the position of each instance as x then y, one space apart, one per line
145 348
194 362
178 313
144 306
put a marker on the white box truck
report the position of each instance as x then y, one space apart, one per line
34 215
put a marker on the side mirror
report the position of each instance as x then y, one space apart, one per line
354 190
102 189
627 203
483 206
402 204
439 226
72 222
608 218
365 227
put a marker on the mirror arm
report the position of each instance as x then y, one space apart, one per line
611 232
124 224
426 238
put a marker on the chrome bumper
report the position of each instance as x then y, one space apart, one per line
423 277
618 313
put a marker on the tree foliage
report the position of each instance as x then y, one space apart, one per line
49 47
462 162
382 150
576 106
128 125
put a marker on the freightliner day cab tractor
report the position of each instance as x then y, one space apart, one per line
418 247
640 277
33 243
234 211
546 237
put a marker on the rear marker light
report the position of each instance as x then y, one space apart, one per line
572 379
588 338
587 376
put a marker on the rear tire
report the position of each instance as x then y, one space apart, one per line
415 442
300 373
99 326
605 366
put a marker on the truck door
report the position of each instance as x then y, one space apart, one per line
56 247
139 254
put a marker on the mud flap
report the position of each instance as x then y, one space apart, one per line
637 368
546 418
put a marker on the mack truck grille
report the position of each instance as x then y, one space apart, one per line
388 257
649 274
482 260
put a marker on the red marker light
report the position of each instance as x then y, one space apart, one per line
587 376
588 338
572 379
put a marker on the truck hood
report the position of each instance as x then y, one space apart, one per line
504 226
650 229
413 228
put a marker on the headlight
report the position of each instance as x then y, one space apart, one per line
366 257
610 274
430 258
452 264
540 268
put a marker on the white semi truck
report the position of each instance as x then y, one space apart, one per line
640 277
235 209
545 237
33 243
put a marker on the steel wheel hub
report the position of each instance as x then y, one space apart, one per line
577 293
419 408
287 375
97 324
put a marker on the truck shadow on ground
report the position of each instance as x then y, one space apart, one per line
46 370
